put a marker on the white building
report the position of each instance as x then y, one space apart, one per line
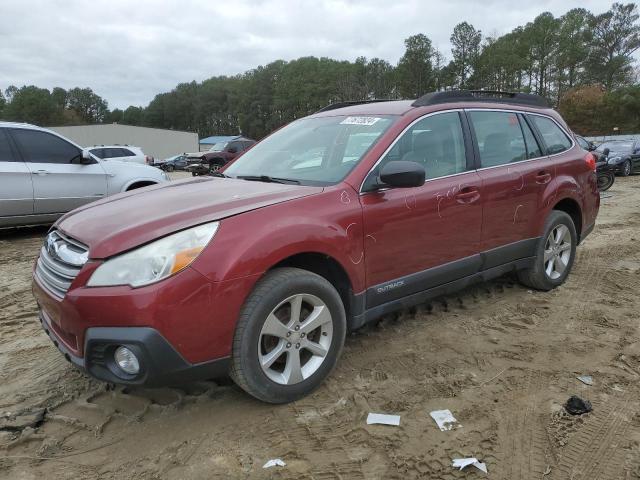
156 142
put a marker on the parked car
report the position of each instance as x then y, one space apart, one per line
622 155
260 270
177 162
43 175
605 173
123 153
217 156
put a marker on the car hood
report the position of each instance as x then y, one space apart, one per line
127 220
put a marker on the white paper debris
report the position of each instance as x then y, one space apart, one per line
365 121
586 379
465 462
445 420
383 419
276 462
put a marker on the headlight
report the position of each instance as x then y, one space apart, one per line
154 261
614 160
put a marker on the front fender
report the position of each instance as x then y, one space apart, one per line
253 242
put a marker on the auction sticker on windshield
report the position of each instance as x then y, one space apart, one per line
366 121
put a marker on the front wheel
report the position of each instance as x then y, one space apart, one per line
625 171
554 254
289 336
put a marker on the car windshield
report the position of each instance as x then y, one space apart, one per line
218 147
313 151
616 146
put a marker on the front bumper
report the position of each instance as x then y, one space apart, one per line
160 363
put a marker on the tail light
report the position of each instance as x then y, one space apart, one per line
590 160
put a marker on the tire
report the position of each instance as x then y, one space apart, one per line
537 276
256 344
605 181
170 168
215 166
625 169
194 174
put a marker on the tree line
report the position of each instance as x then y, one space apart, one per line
583 62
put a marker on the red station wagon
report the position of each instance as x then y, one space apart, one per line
330 222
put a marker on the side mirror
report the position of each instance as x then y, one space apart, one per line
402 174
86 158
606 152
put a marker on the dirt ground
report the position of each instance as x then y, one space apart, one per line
502 358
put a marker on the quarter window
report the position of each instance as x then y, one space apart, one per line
499 136
435 142
43 147
553 137
126 153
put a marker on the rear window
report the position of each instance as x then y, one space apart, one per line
553 136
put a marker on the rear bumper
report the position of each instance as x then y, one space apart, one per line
160 363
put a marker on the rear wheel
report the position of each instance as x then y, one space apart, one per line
554 254
289 336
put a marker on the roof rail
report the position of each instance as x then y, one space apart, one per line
334 106
491 96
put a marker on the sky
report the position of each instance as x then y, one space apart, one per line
128 51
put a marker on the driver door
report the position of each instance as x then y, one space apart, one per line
419 238
60 182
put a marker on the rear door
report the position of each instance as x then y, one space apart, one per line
515 175
60 182
422 237
16 188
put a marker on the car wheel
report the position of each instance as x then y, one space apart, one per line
170 168
625 170
555 253
194 174
214 167
289 336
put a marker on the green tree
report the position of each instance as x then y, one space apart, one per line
465 42
90 107
3 103
415 69
616 35
32 105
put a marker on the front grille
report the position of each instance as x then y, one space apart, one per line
60 261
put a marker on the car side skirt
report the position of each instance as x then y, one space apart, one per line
444 279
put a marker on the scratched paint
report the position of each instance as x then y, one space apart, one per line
344 197
360 257
515 214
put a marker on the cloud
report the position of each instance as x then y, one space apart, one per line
127 52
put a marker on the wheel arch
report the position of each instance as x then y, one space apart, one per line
138 184
571 208
327 267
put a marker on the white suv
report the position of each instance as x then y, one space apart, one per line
124 153
44 175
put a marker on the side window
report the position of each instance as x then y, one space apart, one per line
533 149
43 147
582 142
98 152
499 136
126 153
234 147
435 142
553 137
113 152
6 154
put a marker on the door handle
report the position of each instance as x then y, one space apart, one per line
543 177
42 172
468 195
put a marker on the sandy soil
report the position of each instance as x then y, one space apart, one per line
502 358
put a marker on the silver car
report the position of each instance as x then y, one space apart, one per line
44 175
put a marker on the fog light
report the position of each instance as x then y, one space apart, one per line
126 360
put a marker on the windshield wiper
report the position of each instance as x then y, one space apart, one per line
268 179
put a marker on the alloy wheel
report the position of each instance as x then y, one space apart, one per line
557 251
295 339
